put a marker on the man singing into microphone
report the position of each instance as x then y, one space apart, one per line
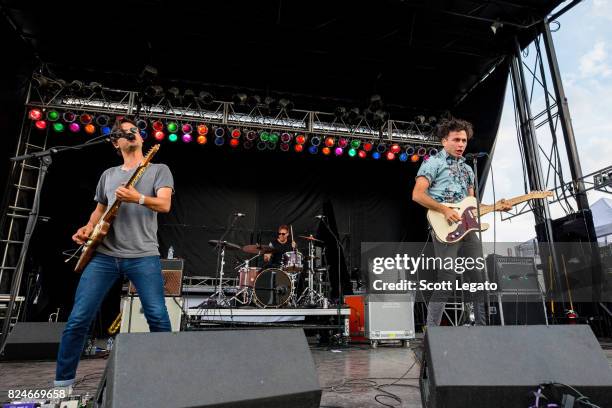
446 178
129 249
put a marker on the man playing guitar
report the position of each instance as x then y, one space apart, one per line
130 248
446 178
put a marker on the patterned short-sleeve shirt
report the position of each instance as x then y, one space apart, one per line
449 177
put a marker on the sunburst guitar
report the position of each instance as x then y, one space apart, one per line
103 226
467 209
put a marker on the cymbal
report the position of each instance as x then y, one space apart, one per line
228 245
258 249
310 238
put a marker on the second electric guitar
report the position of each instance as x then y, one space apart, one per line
103 226
467 209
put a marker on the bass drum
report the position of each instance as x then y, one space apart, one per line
273 288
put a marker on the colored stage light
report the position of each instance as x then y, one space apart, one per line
202 139
362 154
53 115
381 148
102 120
35 114
219 132
158 126
251 135
286 137
141 124
395 148
172 127
144 134
315 140
219 141
390 155
85 118
270 145
298 148
106 130
187 138
234 142
248 144
300 139
426 157
69 117
313 150
421 151
433 151
202 130
284 147
403 157
414 158
352 152
40 124
58 127
90 129
74 127
264 136
338 151
330 141
355 143
274 137
159 135
261 145
236 133
326 151
342 143
376 155
172 137
410 150
367 146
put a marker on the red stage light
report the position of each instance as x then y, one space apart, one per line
329 141
158 126
41 124
342 143
367 146
35 114
298 148
362 154
202 130
159 135
326 151
202 139
300 139
395 148
390 156
236 133
86 118
234 142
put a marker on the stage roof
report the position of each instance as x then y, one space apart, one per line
420 56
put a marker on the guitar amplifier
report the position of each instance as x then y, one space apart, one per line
135 322
513 273
389 317
172 273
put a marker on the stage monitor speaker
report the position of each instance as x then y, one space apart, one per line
33 341
489 366
224 368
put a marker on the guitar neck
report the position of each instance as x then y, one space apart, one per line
487 208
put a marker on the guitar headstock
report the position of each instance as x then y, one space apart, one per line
540 194
150 154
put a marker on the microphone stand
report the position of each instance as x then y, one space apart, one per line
219 295
340 250
45 162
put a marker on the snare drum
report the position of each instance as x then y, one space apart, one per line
273 288
248 276
292 262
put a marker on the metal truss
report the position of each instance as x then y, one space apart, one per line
222 113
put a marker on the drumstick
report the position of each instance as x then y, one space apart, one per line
292 240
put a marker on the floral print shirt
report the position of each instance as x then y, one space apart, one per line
449 177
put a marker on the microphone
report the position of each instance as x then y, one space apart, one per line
320 216
471 156
239 215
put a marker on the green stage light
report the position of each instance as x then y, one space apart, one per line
172 127
58 127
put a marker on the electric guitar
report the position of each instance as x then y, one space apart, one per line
103 226
467 209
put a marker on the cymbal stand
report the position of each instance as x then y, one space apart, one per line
246 291
311 297
219 295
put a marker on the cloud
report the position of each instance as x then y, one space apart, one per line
602 8
594 63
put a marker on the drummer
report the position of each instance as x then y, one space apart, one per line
281 244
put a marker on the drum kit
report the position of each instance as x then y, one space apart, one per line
277 286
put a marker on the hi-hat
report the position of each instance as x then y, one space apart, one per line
310 238
228 245
258 249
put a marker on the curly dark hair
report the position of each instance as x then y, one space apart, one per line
454 125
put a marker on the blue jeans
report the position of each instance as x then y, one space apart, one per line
99 276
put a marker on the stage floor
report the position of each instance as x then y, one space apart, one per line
348 376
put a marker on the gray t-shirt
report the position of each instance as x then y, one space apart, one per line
133 234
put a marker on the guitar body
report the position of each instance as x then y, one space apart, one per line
451 233
103 226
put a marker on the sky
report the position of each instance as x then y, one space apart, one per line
583 43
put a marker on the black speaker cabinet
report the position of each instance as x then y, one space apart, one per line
33 341
489 366
225 368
